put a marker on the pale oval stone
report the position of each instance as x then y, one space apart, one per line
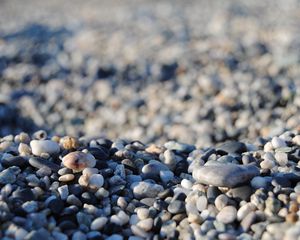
96 181
227 215
296 140
281 158
77 161
142 213
89 171
39 147
146 224
98 223
66 178
24 149
221 201
267 164
201 203
245 210
225 175
278 142
146 189
83 180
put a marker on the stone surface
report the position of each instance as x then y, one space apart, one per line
225 175
39 147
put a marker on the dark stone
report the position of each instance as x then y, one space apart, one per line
111 228
232 147
56 205
166 193
282 181
157 223
5 216
24 194
100 153
67 225
75 189
15 161
38 162
181 167
129 165
88 198
212 193
38 235
207 154
246 159
179 196
176 207
241 193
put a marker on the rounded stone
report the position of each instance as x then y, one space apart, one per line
39 147
227 215
225 175
201 203
146 224
221 201
77 161
96 181
66 178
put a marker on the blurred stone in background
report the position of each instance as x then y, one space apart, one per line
194 71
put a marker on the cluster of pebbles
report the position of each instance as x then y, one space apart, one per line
79 188
154 72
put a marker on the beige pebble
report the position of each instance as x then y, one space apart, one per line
68 142
77 161
66 178
24 149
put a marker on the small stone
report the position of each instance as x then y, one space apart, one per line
169 159
59 236
98 223
259 182
176 207
152 170
39 163
72 199
38 234
30 206
115 237
89 171
145 189
166 176
241 193
69 143
281 158
267 164
221 201
56 205
66 178
7 176
96 181
78 235
225 175
278 142
63 192
181 147
247 221
291 218
77 161
227 215
142 213
20 234
146 224
233 147
39 147
24 194
14 161
201 203
245 210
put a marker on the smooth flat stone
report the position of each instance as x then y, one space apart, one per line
225 175
233 147
40 163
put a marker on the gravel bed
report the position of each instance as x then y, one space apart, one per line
79 188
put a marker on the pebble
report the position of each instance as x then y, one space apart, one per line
66 178
39 147
145 189
145 224
221 201
201 203
281 158
96 181
176 207
278 142
142 213
78 161
98 223
39 163
225 175
7 176
227 215
233 147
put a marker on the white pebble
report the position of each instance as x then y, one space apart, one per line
44 146
278 142
98 223
96 181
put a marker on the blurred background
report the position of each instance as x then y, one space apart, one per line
199 72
